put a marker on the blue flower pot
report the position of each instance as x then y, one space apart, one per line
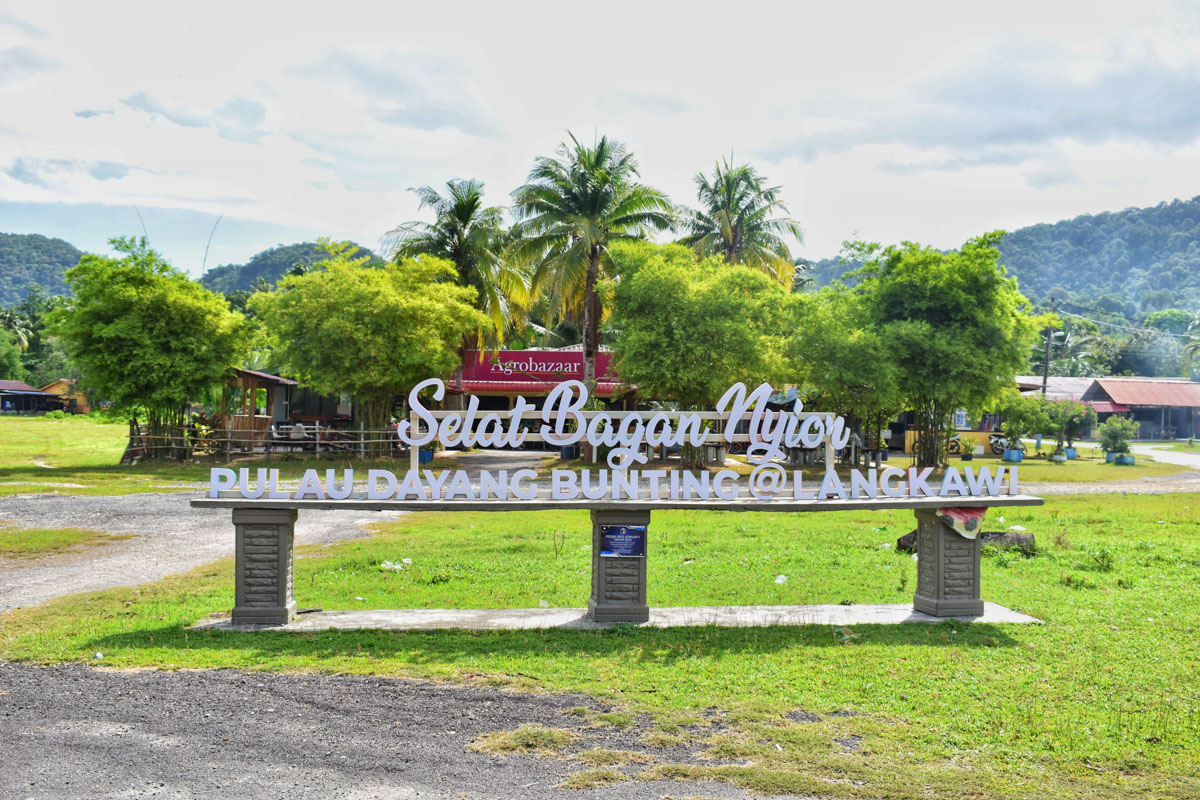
1012 455
1110 458
1126 459
1070 451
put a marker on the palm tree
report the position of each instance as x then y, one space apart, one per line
737 221
1073 354
19 326
1191 347
472 236
568 212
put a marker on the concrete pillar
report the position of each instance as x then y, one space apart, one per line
618 582
263 593
947 569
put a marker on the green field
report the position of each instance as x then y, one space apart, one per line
78 455
1184 447
35 543
1102 701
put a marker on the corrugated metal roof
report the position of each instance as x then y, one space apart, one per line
1057 388
1105 407
1151 392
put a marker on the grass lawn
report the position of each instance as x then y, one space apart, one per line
78 455
34 543
1090 467
1183 447
1102 701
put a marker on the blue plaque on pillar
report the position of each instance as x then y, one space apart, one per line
622 541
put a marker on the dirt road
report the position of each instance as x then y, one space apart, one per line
75 732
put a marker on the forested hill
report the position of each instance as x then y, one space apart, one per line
30 258
268 265
1147 258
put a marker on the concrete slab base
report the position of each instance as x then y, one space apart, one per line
488 619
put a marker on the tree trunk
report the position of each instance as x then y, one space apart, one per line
457 400
931 434
376 414
591 320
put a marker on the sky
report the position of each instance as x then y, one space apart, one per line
928 122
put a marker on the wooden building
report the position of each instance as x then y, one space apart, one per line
68 389
251 403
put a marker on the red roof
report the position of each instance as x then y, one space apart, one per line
1142 392
1105 407
16 386
531 387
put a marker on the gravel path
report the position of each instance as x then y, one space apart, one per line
1150 484
170 536
76 732
1159 453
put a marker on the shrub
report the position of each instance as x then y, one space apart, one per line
1115 434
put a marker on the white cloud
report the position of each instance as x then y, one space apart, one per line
19 63
931 125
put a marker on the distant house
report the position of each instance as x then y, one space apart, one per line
68 389
1166 408
18 397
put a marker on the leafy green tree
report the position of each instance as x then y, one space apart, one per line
371 331
49 363
1023 417
1171 320
270 265
10 358
737 220
569 212
687 332
838 352
956 326
144 335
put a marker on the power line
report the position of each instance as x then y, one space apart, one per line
1126 327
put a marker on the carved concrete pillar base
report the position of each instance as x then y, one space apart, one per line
618 582
947 569
263 593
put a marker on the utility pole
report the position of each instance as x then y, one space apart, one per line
1046 360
